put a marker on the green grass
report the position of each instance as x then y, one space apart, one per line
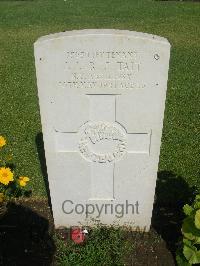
104 246
22 22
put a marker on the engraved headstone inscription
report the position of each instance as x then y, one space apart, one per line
102 98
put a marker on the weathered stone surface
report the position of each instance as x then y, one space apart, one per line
102 96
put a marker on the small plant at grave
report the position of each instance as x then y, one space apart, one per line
189 252
104 246
11 186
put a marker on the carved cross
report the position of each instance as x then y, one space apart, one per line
102 141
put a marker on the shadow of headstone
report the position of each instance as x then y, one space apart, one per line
25 236
172 192
41 153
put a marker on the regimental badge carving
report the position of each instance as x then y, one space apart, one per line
102 142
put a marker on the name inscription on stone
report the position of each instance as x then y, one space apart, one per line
102 69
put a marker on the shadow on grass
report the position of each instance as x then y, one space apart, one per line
41 153
172 192
25 237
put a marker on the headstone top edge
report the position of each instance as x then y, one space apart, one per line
102 32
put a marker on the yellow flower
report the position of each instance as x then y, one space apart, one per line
23 180
1 197
6 175
2 141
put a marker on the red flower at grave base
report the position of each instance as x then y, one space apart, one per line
77 235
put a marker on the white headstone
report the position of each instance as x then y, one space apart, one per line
102 97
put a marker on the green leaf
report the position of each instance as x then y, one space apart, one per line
191 254
197 240
197 202
189 229
197 205
187 209
197 219
195 259
187 242
181 260
197 197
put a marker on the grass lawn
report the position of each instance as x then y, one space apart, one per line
22 22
